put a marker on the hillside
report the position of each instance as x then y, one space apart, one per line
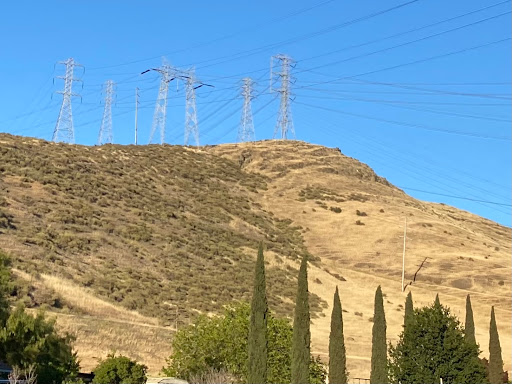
134 240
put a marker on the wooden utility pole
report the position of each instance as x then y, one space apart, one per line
136 110
403 255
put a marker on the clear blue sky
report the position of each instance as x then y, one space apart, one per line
421 93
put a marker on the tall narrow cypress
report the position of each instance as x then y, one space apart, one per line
469 325
409 310
337 354
495 359
258 343
437 301
301 332
379 373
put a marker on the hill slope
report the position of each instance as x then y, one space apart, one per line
156 234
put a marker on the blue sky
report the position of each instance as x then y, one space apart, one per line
419 90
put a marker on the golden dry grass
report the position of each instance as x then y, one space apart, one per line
466 253
103 327
83 299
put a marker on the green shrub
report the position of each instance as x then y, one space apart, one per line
119 370
220 343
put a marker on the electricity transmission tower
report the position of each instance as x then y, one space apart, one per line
191 126
105 135
280 66
160 114
64 128
246 129
190 108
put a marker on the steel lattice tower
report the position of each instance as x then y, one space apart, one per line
160 114
191 126
64 128
246 129
284 78
105 135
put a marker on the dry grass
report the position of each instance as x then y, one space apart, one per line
96 337
84 300
477 249
149 225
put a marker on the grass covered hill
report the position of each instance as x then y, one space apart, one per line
123 243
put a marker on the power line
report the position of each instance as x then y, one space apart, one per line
416 61
255 27
307 36
429 90
456 197
393 104
400 123
384 151
412 31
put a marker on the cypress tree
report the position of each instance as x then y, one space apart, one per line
337 356
495 359
469 326
301 333
409 310
379 373
258 343
437 301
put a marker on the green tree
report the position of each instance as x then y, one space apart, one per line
495 359
221 343
337 354
409 310
301 330
119 370
257 343
5 287
378 373
433 346
469 325
27 340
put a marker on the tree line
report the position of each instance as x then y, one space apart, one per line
248 344
434 347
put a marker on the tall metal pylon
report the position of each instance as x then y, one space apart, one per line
105 135
191 127
284 78
160 114
64 130
246 129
